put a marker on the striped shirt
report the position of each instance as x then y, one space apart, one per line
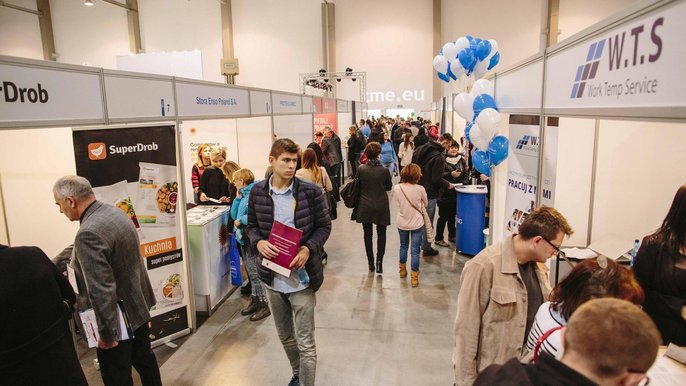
545 320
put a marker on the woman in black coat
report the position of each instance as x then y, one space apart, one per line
456 173
660 268
373 207
36 347
355 148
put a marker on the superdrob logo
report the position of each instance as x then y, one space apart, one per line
96 151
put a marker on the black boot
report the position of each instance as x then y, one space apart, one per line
379 265
246 290
261 313
370 260
252 307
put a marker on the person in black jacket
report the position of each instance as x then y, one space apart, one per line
607 342
660 268
300 205
356 144
430 158
213 184
36 347
421 138
456 173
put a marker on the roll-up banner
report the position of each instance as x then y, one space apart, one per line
522 173
135 169
323 120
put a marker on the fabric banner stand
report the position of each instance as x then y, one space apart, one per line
135 169
522 173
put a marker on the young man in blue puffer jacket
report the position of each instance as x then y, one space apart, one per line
300 205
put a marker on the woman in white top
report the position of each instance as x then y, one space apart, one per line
405 150
589 279
312 172
411 201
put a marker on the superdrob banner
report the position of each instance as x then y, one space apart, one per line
134 169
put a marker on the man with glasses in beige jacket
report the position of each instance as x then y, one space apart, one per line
500 291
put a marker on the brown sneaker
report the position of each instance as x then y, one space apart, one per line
261 313
403 270
252 307
414 279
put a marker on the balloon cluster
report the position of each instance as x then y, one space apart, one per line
467 55
478 108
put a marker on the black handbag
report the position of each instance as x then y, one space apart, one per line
351 193
330 200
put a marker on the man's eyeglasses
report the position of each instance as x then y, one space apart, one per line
560 253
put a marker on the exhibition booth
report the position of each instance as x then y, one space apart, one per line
608 109
135 137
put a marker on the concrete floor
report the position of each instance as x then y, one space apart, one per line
371 329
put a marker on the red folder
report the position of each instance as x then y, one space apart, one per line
287 240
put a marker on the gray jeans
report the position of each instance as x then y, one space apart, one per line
250 260
294 319
431 211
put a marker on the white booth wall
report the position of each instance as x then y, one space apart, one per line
255 141
640 167
31 160
574 15
299 128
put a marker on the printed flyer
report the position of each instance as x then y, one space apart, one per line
135 169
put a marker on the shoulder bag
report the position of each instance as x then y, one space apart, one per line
428 227
351 192
330 200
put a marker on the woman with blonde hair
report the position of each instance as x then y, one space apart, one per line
412 200
201 163
214 187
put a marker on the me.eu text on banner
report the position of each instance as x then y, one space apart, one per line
134 168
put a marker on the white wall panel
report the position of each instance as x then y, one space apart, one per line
275 40
185 26
32 216
91 36
296 127
640 168
574 171
576 15
19 32
393 46
254 143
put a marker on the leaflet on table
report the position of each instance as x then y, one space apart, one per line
287 241
579 253
90 325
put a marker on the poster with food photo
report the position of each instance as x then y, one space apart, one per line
135 169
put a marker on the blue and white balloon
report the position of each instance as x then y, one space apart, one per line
467 59
495 59
483 49
481 102
464 105
482 162
498 149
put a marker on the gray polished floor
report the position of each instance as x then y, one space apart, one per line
371 329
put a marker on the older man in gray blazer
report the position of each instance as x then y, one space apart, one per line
109 268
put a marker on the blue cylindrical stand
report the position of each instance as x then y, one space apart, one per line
470 218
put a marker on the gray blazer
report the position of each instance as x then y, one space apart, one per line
109 267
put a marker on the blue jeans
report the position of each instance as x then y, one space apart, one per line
431 211
415 237
293 315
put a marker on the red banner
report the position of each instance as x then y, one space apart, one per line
322 120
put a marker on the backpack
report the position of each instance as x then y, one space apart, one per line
351 193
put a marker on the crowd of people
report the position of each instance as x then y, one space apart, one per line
509 322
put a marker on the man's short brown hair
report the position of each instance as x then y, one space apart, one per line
614 335
372 150
283 145
411 173
546 222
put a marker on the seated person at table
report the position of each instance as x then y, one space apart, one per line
590 279
608 342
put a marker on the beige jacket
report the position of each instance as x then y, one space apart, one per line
491 311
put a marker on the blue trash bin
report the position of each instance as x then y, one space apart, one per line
470 218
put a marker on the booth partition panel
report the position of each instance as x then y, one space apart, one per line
254 143
296 127
27 181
